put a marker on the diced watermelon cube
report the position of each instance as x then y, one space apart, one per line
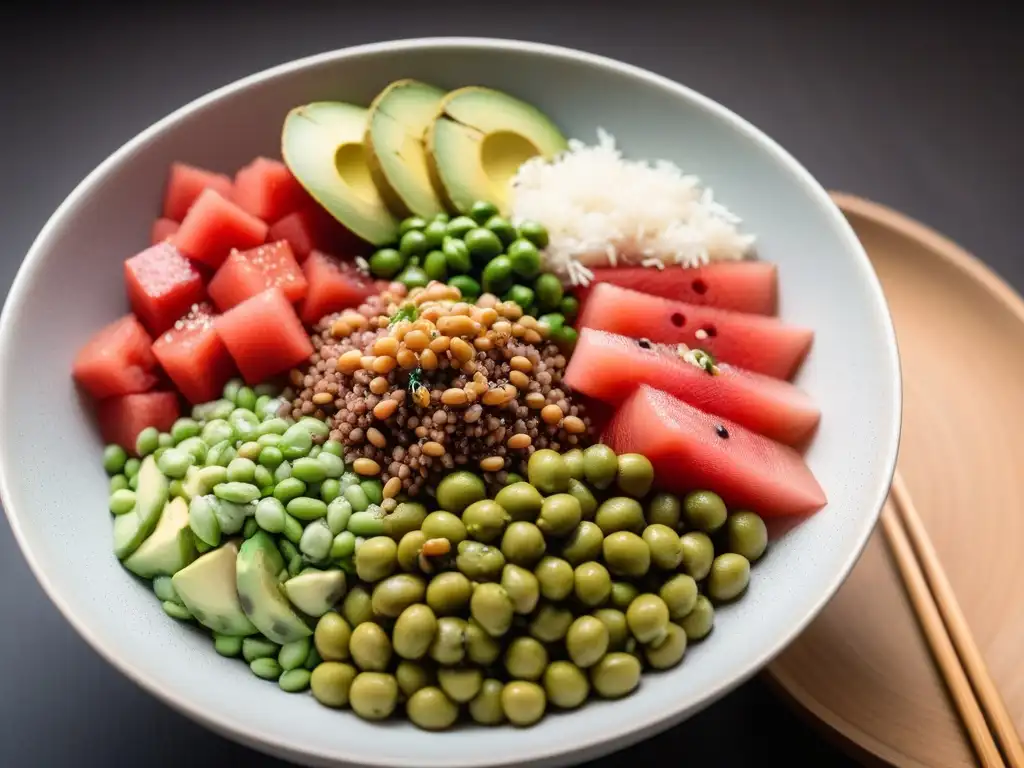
264 335
162 284
313 229
194 357
267 189
116 361
122 418
163 229
246 273
185 183
333 285
214 225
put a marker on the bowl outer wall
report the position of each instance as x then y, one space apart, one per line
826 282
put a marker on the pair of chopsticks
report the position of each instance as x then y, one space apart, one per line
988 723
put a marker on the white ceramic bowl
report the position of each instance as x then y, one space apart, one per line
54 489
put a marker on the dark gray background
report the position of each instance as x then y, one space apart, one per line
920 109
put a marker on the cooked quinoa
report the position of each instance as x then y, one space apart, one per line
414 386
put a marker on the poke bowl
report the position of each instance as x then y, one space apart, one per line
445 402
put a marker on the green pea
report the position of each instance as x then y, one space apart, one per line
479 562
566 685
680 595
526 658
412 677
122 501
230 391
623 593
491 608
626 554
729 577
411 223
456 255
534 232
246 398
307 509
583 544
746 535
548 472
497 275
585 497
164 440
559 515
648 618
522 587
261 403
665 545
430 709
448 593
334 448
549 291
502 227
550 622
413 243
664 509
131 467
331 637
444 525
373 489
468 287
366 523
485 520
618 629
449 646
586 641
485 708
386 263
699 622
483 245
391 596
460 226
409 548
555 578
523 544
704 511
553 321
482 210
413 277
227 645
288 489
343 546
521 295
436 231
114 458
118 483
600 465
616 675
635 474
520 500
376 558
592 583
292 529
406 517
620 513
698 554
414 631
481 648
370 647
331 683
436 266
524 258
133 483
148 440
461 684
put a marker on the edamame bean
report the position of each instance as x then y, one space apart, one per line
331 683
122 501
295 680
296 442
251 528
526 658
196 447
366 523
283 471
293 655
456 255
309 470
217 431
373 489
244 423
330 489
616 675
497 275
704 510
237 493
240 470
523 702
306 509
316 540
292 530
411 223
176 610
288 489
258 647
272 426
357 497
227 645
163 588
114 458
746 535
485 708
338 513
202 519
436 265
698 553
270 515
221 454
333 466
374 695
267 669
147 441
343 546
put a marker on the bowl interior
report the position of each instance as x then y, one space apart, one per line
55 490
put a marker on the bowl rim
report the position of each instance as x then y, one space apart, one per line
630 732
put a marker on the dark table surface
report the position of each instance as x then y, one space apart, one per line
917 108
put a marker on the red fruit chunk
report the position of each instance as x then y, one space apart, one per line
691 450
162 284
246 273
163 229
755 342
610 367
194 357
267 189
742 286
312 229
333 285
214 226
116 361
185 183
122 418
264 335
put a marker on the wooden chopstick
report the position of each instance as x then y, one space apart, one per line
949 635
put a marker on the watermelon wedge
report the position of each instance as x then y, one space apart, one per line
185 183
116 360
162 284
193 356
246 273
693 450
760 344
741 286
264 335
610 367
162 230
333 285
122 418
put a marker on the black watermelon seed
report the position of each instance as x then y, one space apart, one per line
678 320
722 432
700 287
644 343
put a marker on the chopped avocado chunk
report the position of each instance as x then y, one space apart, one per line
315 592
150 497
207 588
258 564
479 140
322 145
169 548
399 118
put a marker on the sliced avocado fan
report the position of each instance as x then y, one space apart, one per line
322 145
398 121
479 140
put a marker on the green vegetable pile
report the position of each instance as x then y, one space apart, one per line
478 253
495 606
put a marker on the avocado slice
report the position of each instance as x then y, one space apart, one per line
398 121
314 592
150 497
259 591
207 588
322 145
479 140
169 548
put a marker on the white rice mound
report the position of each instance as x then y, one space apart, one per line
603 210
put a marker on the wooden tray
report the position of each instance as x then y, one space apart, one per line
863 669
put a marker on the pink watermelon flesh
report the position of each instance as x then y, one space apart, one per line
691 450
610 367
754 342
742 286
